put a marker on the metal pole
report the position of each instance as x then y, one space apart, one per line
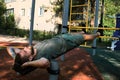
95 25
32 22
65 20
102 12
54 70
65 16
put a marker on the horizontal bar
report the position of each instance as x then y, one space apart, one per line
73 27
82 5
73 13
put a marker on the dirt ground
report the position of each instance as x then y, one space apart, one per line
77 65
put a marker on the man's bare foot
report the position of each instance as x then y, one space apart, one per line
98 33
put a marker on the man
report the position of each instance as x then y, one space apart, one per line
40 55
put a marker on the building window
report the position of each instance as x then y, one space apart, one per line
29 12
10 12
8 1
41 11
22 0
23 12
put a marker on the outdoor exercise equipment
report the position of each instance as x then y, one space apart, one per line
54 65
96 25
53 70
115 45
76 17
75 22
65 20
32 22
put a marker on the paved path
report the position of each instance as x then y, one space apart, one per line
13 41
5 38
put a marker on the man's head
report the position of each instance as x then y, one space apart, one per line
22 56
26 53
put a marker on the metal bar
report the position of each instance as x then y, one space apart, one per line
78 27
70 13
65 16
78 20
80 5
114 38
96 24
65 20
102 12
87 17
54 70
79 13
32 22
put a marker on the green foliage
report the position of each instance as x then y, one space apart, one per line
37 35
2 8
112 8
7 24
2 22
2 11
58 7
10 22
41 35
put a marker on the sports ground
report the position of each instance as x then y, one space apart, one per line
79 64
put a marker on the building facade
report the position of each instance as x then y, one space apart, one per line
44 16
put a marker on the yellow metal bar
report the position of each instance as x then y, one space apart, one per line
70 13
87 14
78 27
86 46
110 37
73 13
79 13
80 5
77 20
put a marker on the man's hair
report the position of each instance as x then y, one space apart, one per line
23 59
19 61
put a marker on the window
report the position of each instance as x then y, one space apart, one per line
23 12
10 12
22 0
7 1
29 12
41 11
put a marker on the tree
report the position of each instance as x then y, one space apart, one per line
58 6
2 11
10 22
2 8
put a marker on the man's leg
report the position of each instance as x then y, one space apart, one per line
88 37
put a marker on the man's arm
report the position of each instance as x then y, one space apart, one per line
12 51
40 63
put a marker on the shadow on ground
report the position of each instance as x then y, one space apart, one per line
108 63
77 65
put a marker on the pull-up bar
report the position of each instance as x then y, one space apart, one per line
54 68
94 28
32 22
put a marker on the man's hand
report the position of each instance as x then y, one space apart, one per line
98 33
40 63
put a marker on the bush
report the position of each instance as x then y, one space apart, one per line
2 22
10 22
